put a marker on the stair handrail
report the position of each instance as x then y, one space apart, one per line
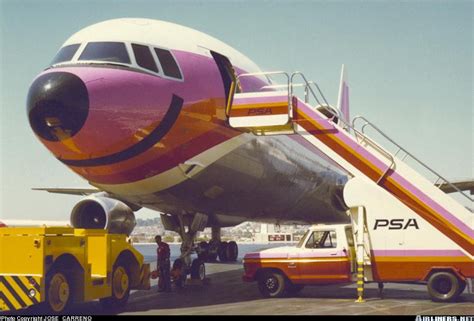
308 86
350 126
407 153
380 149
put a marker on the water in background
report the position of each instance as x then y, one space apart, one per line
149 250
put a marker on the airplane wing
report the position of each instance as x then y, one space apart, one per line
462 185
86 192
70 191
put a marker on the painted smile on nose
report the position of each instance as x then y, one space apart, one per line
154 137
57 105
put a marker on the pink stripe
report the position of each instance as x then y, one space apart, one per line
431 203
348 140
259 100
305 254
440 253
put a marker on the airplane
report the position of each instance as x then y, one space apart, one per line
139 108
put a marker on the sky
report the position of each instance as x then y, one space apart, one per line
410 69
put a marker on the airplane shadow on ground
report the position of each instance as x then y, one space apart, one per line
228 288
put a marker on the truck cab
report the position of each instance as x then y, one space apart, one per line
324 255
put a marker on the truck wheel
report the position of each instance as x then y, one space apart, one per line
198 270
223 251
232 251
443 287
120 289
272 285
58 292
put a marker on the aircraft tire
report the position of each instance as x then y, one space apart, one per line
223 252
232 251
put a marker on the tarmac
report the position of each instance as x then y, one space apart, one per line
227 294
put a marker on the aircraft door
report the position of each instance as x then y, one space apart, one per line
228 76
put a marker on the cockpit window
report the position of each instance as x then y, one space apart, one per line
143 57
106 51
65 53
169 65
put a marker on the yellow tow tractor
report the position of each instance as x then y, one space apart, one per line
58 266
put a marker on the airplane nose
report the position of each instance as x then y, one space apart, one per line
57 105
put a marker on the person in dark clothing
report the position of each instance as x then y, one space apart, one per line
163 265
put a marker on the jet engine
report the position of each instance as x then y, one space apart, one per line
101 212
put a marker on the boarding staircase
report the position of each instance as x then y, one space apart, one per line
402 192
383 189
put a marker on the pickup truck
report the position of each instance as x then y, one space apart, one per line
326 254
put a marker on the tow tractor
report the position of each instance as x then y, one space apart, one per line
57 266
327 254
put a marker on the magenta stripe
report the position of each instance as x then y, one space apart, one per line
259 100
305 254
348 140
431 203
456 253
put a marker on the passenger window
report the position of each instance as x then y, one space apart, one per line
144 58
315 240
169 65
106 51
322 239
330 241
65 53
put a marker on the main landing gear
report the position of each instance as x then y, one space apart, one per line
187 227
215 248
225 251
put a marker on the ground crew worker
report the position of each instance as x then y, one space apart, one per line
163 265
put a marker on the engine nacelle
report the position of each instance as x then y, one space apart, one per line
101 212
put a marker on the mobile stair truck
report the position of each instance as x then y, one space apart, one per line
57 266
405 226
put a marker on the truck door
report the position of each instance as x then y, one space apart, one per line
323 260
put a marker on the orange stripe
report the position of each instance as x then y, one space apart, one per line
262 105
433 217
320 276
